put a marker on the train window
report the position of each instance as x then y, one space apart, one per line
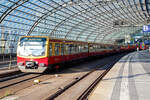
86 48
50 49
96 47
57 46
90 47
66 49
70 48
103 47
62 49
99 49
77 49
74 49
80 48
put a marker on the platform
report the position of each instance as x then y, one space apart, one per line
129 79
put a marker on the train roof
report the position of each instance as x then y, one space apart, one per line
67 40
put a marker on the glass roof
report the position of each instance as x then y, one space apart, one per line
83 20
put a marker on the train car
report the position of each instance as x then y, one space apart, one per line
38 53
32 54
127 48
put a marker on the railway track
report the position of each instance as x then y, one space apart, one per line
10 85
16 75
85 94
7 85
9 73
98 73
17 83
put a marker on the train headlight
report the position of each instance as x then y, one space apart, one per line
41 65
20 64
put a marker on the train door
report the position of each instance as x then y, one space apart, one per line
50 49
62 52
57 50
51 53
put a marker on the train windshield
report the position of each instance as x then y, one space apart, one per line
32 46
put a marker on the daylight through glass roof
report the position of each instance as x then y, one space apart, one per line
102 21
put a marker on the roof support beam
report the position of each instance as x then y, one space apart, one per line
11 8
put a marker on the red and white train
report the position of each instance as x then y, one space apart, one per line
38 53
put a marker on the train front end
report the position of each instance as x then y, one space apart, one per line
32 54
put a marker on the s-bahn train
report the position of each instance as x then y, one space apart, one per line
37 53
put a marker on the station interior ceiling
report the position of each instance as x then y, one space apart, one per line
101 21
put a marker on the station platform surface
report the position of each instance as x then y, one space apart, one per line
129 79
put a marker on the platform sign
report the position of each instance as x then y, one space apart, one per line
146 28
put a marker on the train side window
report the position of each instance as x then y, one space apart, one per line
66 49
76 48
80 48
85 48
102 47
57 46
62 49
50 49
94 48
99 48
73 49
70 48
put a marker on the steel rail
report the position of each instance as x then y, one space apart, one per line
10 73
11 84
94 84
86 93
19 74
62 90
